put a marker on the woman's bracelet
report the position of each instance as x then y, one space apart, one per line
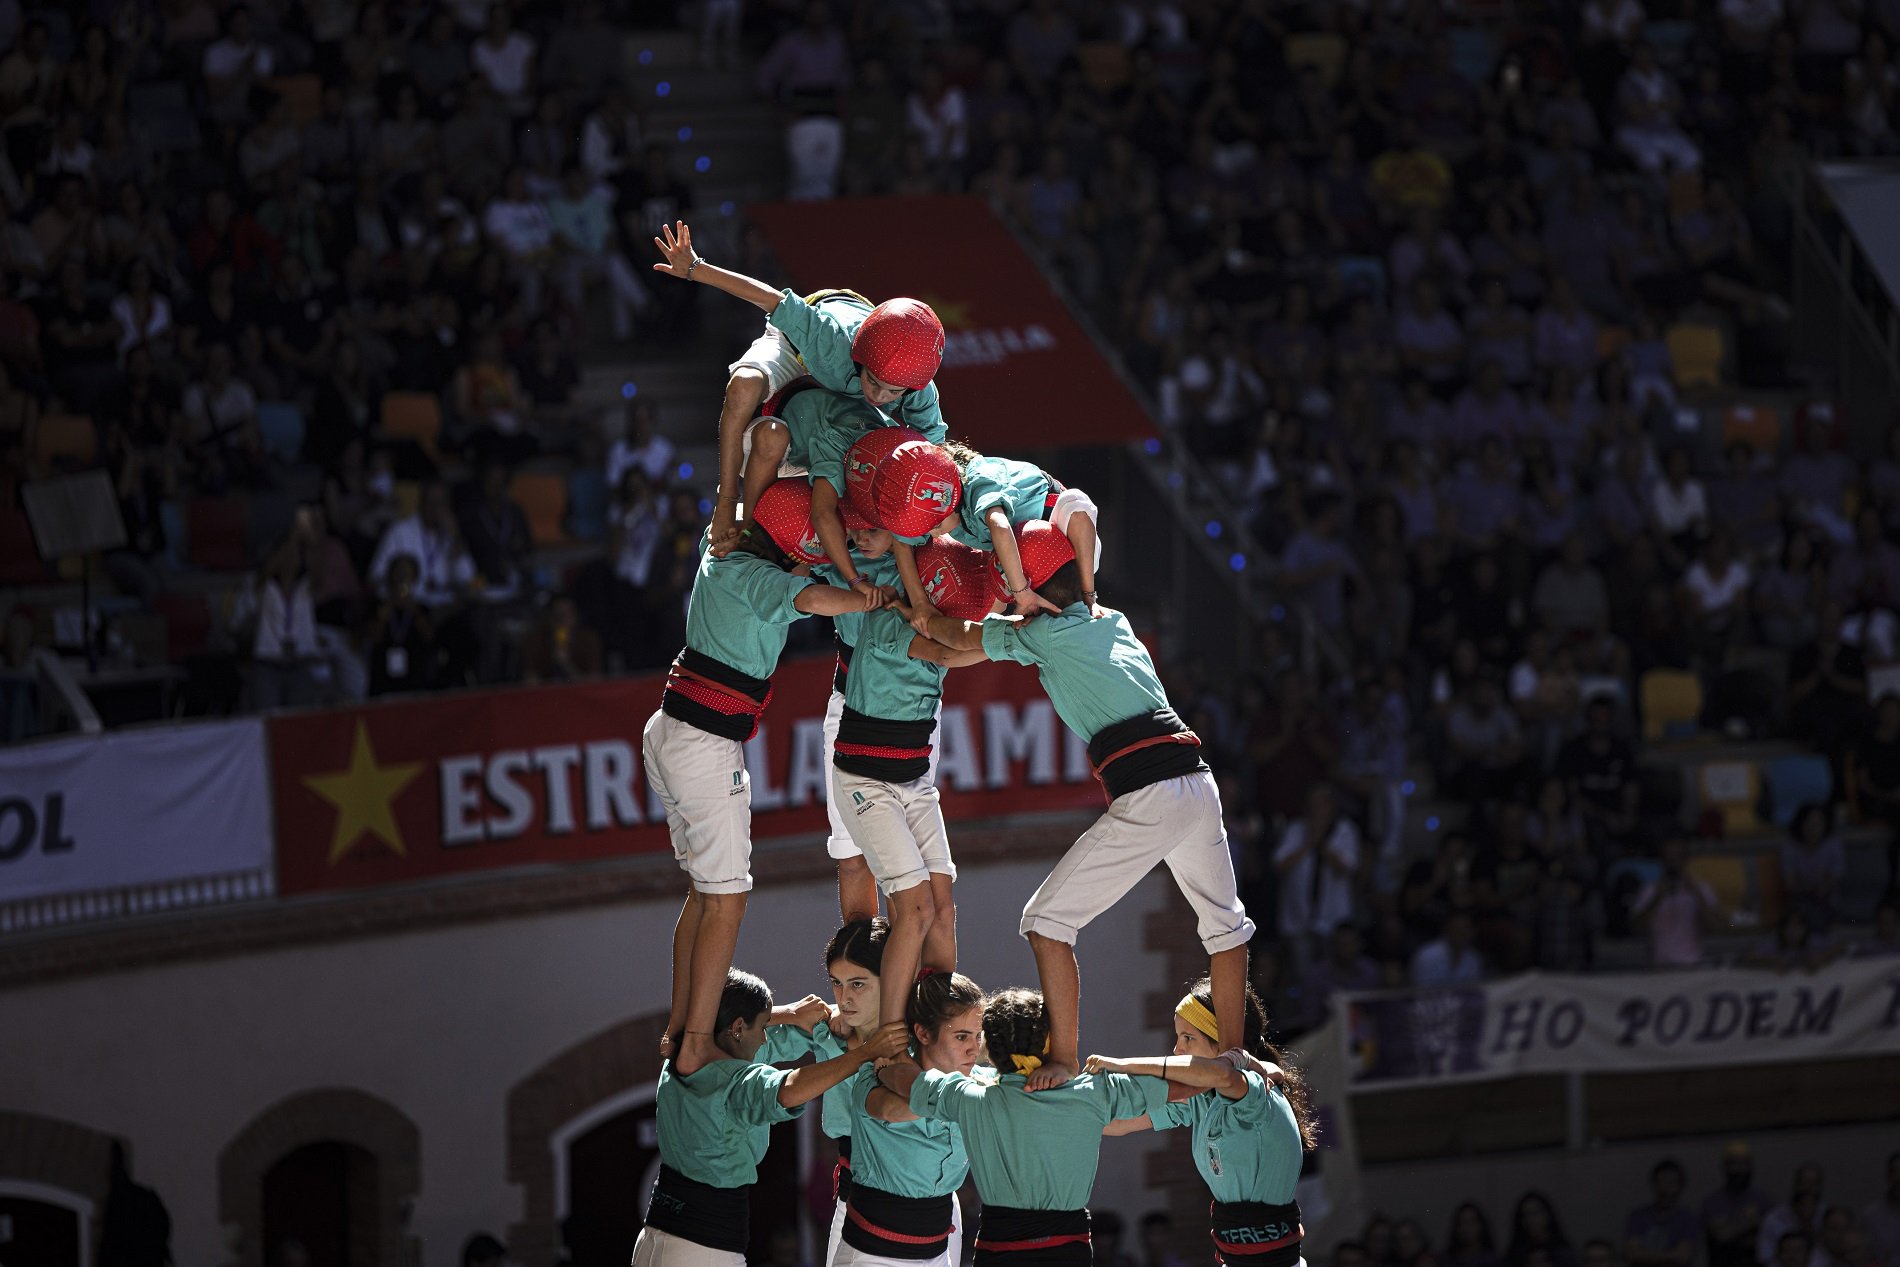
1020 588
697 261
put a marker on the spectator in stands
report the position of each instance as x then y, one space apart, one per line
487 397
1837 1226
1715 599
1794 946
1569 597
809 64
1485 745
505 57
549 376
432 538
1827 689
1569 915
1800 1216
1318 860
1535 1229
1345 966
402 649
1600 770
1676 909
1317 564
1430 340
220 418
1506 879
1294 747
640 445
1813 482
1884 941
1468 1240
1662 1233
1451 958
1350 1254
1880 1218
1732 1215
1157 1241
560 648
284 651
1792 1249
1788 593
1598 1252
587 249
495 530
1813 864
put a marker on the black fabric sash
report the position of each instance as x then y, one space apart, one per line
718 1218
725 721
1148 766
1254 1234
904 745
1033 1238
891 1226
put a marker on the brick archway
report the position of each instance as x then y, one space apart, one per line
595 1069
58 1154
333 1113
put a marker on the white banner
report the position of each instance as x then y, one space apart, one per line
1536 1023
133 808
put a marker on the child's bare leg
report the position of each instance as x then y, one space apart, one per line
1062 997
770 439
1227 981
684 931
857 890
745 391
940 943
713 943
912 912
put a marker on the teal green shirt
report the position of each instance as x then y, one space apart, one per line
821 333
786 1043
741 608
1096 672
1247 1149
879 571
1021 489
816 412
714 1126
1034 1151
924 1158
885 682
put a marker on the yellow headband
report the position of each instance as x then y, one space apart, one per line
1197 1014
1026 1065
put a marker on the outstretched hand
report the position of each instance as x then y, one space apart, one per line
676 244
1104 1064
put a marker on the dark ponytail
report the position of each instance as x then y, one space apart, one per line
940 996
860 942
1015 1023
1258 1045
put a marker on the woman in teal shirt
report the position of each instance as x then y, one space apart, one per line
1033 1156
714 1125
1251 1125
854 958
903 1207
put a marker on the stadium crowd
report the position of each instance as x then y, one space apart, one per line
1418 282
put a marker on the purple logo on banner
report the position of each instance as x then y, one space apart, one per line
1429 1035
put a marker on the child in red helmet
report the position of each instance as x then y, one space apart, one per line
888 353
736 620
999 494
1163 804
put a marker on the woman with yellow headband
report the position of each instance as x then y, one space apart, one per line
1251 1123
1033 1154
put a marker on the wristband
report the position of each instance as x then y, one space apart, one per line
697 261
1088 596
1021 589
860 578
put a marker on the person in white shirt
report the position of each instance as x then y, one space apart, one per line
640 447
233 65
505 58
284 650
937 115
431 536
1648 103
1318 863
1449 958
1677 502
1716 589
220 412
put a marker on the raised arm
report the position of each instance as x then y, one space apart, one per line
830 526
887 1106
682 261
1009 561
803 1085
912 584
1197 1072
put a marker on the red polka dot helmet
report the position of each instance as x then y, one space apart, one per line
1043 549
865 455
915 488
784 514
900 341
961 580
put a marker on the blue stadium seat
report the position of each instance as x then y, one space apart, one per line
281 423
587 503
1797 780
1361 275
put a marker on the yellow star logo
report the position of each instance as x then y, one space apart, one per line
364 795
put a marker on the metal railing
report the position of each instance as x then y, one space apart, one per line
59 910
1846 319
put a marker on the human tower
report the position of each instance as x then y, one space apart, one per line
841 495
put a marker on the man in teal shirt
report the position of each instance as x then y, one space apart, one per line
737 618
1163 803
887 354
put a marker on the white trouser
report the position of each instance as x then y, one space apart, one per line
897 826
663 1249
772 355
702 781
843 1255
1176 821
834 1243
838 844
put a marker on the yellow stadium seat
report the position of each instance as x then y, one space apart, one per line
408 497
542 496
68 439
413 416
1732 788
1696 352
1671 701
1727 875
1757 426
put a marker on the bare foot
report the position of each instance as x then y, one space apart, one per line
1050 1076
696 1051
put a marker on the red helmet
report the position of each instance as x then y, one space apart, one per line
914 488
865 455
900 341
1043 549
960 580
784 513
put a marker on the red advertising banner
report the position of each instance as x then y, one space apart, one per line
1018 371
418 788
